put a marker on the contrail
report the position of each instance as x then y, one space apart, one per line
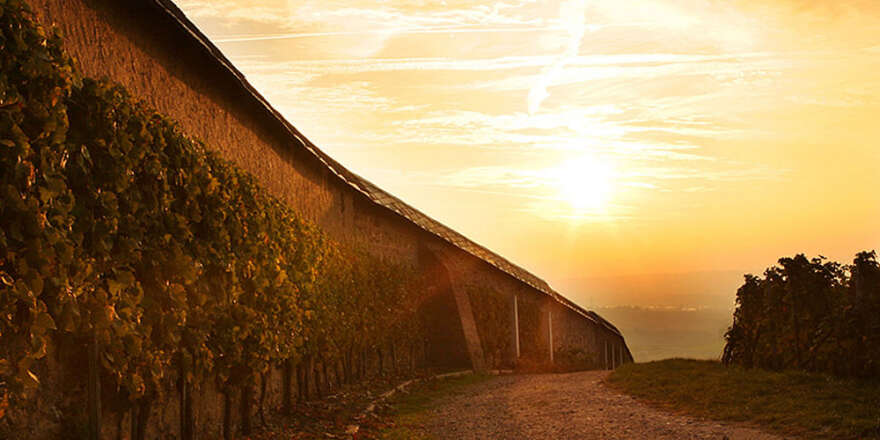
571 14
444 30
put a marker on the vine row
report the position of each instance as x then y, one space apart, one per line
118 230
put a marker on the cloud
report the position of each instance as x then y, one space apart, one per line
724 172
355 28
543 182
829 7
366 65
670 90
638 70
354 16
648 64
446 30
571 16
273 12
494 176
606 129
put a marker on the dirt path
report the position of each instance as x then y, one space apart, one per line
564 406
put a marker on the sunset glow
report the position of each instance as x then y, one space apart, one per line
537 219
583 137
585 183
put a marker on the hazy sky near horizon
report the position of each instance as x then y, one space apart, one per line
583 138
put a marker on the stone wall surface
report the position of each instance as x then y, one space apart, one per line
135 45
130 43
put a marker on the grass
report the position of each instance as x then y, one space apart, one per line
791 403
410 409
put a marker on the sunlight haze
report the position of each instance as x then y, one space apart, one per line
586 139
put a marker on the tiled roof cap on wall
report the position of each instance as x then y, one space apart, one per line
372 192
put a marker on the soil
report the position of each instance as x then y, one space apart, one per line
565 406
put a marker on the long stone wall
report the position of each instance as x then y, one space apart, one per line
583 343
135 45
140 47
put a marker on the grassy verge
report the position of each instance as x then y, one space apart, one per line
791 403
410 410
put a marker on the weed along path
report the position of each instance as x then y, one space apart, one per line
553 406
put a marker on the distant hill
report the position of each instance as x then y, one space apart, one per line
663 315
710 289
661 333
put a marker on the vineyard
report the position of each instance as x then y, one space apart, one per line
152 285
122 237
809 314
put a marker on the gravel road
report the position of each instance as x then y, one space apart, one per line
564 406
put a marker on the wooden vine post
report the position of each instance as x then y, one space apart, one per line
186 414
94 390
287 383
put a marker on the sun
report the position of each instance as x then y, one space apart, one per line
585 183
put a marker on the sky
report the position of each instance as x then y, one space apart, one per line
590 139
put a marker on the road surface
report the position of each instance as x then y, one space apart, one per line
564 406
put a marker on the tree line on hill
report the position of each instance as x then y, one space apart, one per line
809 314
